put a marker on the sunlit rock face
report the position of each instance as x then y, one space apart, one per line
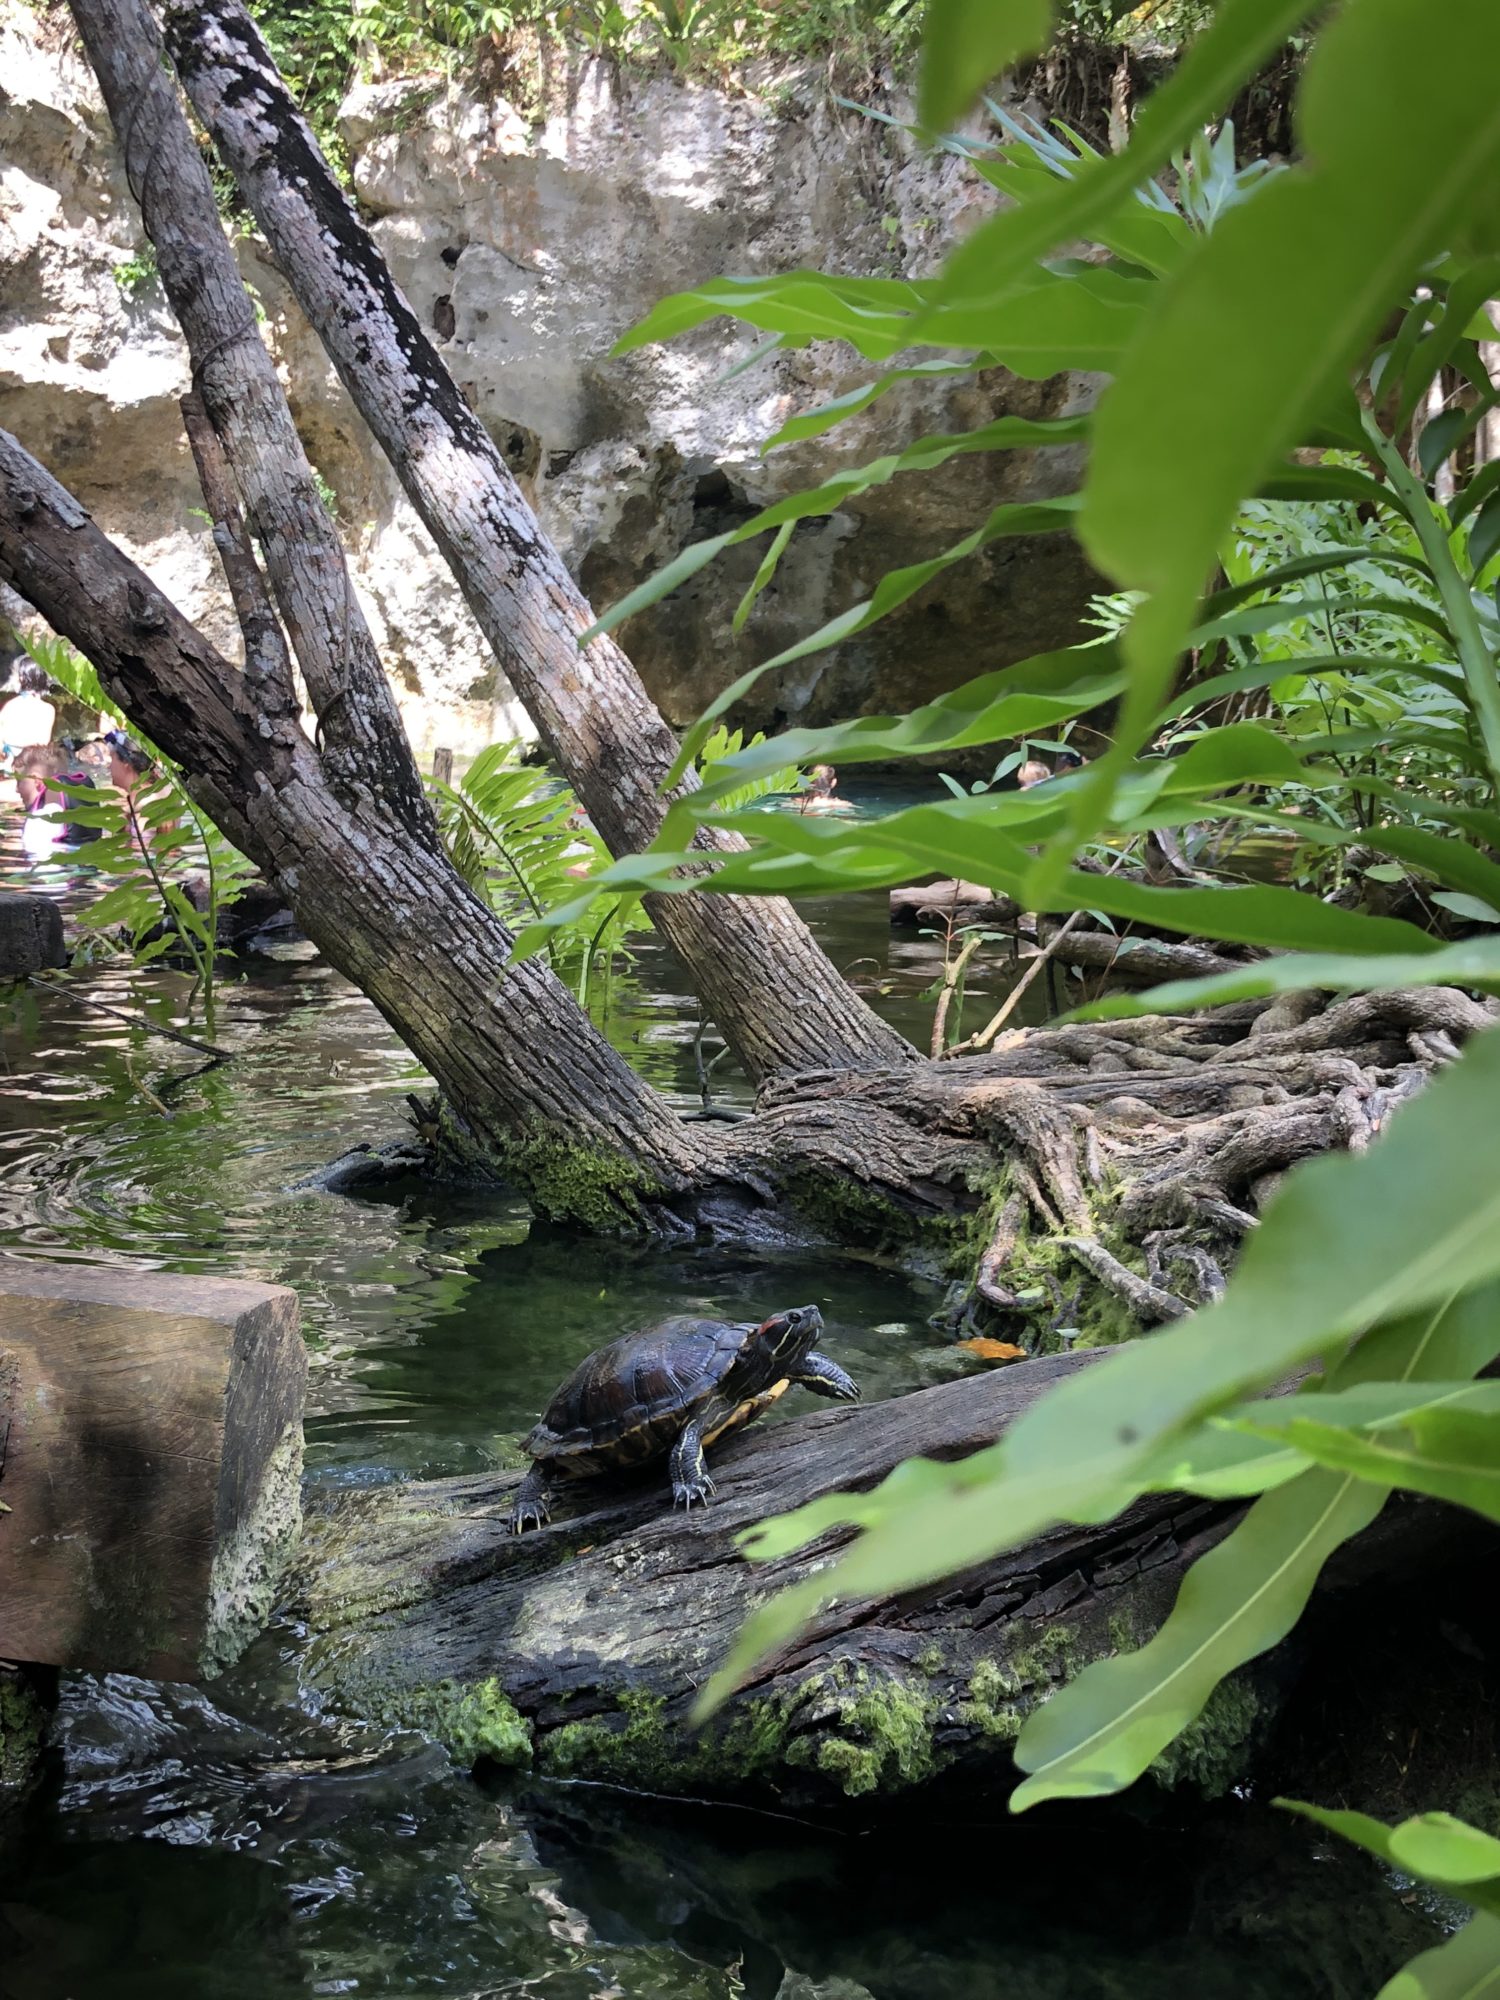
528 245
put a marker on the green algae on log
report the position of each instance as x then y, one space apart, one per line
581 1646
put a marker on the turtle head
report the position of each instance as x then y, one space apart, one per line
787 1337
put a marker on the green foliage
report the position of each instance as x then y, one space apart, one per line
145 841
1303 636
1447 1854
517 837
136 275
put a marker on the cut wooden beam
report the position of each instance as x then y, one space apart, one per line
150 1465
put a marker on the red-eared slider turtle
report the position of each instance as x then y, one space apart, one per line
674 1387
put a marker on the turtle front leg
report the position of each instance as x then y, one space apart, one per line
532 1506
826 1378
689 1469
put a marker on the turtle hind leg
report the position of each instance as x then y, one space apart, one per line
826 1378
532 1506
689 1470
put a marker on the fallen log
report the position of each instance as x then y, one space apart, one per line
580 1647
150 1462
1129 959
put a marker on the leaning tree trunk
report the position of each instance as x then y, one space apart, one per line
363 747
1087 1178
527 1077
582 1646
778 1000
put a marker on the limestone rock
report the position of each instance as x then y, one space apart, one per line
528 245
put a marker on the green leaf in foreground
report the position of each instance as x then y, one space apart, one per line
1348 1243
1435 1847
1098 1734
1214 1462
969 41
1450 1454
1473 962
1240 35
1247 366
1464 1967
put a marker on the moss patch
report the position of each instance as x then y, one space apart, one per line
995 1707
23 1730
470 1721
568 1182
883 1740
637 1746
846 1211
1212 1752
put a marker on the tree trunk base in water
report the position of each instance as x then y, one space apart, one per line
1076 1182
581 1647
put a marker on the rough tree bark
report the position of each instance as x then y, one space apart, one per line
582 1646
364 748
524 1071
1074 1178
774 994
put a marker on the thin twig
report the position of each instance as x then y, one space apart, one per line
135 1021
1013 999
952 974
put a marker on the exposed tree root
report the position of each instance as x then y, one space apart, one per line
1130 1158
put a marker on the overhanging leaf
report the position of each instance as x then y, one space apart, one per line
1246 366
1349 1242
1472 962
1452 1455
966 43
1464 1967
1241 34
1101 1731
1435 1847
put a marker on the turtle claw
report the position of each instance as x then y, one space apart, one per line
528 1514
685 1492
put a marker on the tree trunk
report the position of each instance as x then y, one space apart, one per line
1078 1178
780 1003
583 1645
528 1078
364 747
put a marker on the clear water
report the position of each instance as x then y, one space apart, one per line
231 1840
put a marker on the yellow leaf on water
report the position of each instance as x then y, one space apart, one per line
994 1350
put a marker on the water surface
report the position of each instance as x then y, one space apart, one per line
232 1840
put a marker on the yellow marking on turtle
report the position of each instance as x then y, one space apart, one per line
744 1412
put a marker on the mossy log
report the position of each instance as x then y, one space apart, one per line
582 1646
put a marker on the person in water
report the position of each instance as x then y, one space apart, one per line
128 762
48 777
818 796
1035 772
28 718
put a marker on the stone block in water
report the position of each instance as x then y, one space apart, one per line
31 934
150 1465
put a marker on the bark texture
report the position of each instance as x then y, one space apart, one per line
778 1000
524 1071
583 1645
366 753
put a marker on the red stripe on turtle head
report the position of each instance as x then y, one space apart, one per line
791 1334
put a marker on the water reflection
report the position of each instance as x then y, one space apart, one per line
235 1840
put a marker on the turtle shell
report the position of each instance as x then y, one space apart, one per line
630 1400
